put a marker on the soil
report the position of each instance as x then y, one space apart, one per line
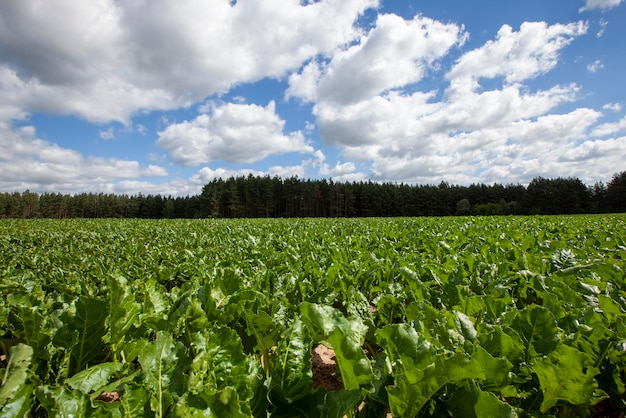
108 397
324 369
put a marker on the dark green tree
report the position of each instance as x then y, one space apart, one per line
616 193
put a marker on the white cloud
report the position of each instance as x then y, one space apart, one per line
396 52
610 128
339 169
483 153
609 150
600 4
603 23
237 133
614 107
595 66
154 171
105 60
28 162
175 187
304 84
139 128
404 125
206 174
286 171
108 134
507 133
108 60
514 56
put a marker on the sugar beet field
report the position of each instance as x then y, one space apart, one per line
405 317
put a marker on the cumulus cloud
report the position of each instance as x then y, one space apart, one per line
28 162
206 174
610 128
609 151
503 133
396 52
105 60
514 56
600 4
235 133
371 89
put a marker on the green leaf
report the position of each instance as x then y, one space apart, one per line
502 342
321 319
537 327
124 310
477 404
17 371
414 388
94 378
592 335
220 363
62 403
135 401
446 329
566 374
346 338
16 392
262 327
611 309
158 361
88 327
497 370
241 300
419 372
36 332
465 325
339 403
563 259
222 404
290 374
488 405
405 347
354 366
21 403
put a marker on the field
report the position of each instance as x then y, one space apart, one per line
460 317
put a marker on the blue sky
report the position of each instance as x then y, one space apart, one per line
161 97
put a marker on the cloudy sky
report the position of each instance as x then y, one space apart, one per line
162 96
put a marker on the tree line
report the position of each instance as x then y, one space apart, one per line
274 197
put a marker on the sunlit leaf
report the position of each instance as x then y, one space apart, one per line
565 375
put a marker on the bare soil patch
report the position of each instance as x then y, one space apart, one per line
108 397
324 367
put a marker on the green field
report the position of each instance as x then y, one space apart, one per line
460 317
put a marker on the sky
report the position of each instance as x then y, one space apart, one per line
163 96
